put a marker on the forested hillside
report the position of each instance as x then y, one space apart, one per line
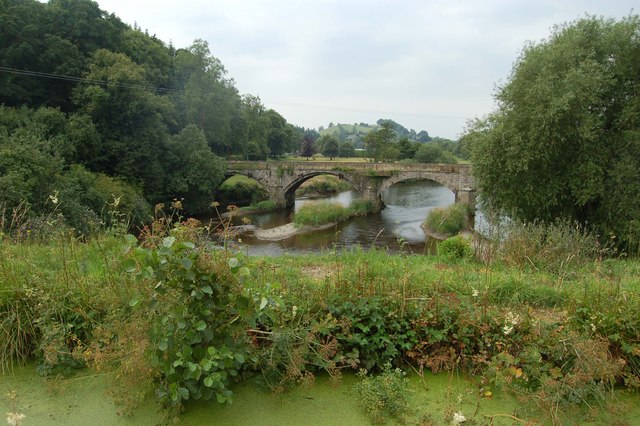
93 111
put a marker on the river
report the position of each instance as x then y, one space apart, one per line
396 228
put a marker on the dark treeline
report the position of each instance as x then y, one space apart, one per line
92 109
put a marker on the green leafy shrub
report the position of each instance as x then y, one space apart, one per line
383 396
198 337
372 330
450 220
457 247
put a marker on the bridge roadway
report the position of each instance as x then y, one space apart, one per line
282 178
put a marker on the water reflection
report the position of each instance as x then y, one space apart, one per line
395 228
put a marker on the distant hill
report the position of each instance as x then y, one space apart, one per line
356 132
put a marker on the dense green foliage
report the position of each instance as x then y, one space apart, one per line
564 142
85 97
205 318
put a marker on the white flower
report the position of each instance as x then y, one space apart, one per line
475 293
512 318
593 327
15 419
54 199
458 418
294 310
507 329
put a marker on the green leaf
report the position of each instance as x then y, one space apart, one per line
129 265
233 263
263 303
208 382
131 239
133 302
184 393
163 345
206 289
186 263
221 398
168 241
201 325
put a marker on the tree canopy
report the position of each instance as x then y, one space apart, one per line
82 93
564 141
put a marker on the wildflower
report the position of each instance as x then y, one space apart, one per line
593 327
116 201
54 197
458 418
507 329
158 208
240 240
475 292
512 318
214 204
294 311
15 419
176 204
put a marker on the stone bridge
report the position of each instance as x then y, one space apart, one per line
281 179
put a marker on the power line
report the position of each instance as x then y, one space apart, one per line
166 90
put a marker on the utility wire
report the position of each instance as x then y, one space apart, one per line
186 92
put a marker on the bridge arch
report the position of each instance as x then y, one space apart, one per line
413 176
290 190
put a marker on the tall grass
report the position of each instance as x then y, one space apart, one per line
556 247
449 220
325 212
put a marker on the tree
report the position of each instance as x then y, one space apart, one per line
377 142
279 133
407 149
308 148
330 147
565 138
194 171
431 153
347 150
130 117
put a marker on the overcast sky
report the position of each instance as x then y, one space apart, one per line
427 64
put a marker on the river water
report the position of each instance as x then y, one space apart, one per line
396 228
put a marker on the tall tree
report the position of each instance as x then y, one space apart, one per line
565 138
330 148
308 148
378 142
130 117
194 172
